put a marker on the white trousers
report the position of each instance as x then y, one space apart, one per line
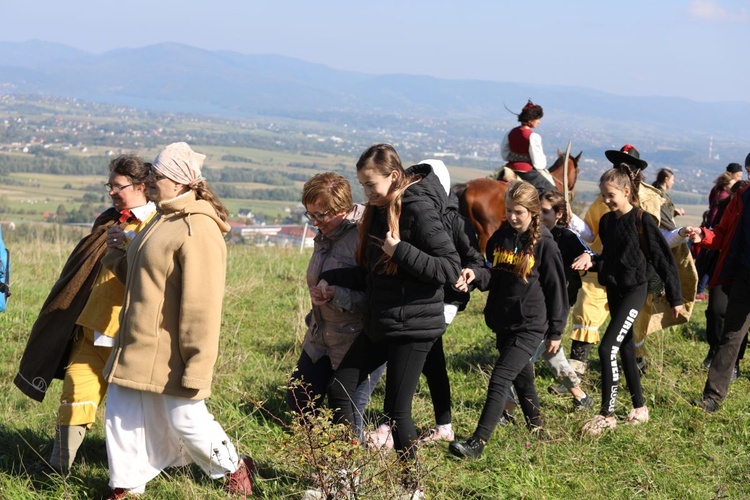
148 432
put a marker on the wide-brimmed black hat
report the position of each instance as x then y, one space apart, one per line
628 155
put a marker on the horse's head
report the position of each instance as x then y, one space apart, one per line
571 167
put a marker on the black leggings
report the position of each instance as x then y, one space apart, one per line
623 310
513 366
405 358
437 380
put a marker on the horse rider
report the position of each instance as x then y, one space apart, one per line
522 149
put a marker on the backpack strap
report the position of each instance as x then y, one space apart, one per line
642 239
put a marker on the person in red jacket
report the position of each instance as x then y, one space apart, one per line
732 238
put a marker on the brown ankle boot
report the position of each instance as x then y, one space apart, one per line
240 482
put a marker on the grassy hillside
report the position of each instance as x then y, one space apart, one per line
681 453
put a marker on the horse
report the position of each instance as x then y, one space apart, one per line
482 201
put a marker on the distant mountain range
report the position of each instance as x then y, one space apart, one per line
182 78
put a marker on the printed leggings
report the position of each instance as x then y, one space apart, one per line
618 337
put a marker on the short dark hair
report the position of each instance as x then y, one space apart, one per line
131 166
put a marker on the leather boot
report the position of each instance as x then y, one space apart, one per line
240 482
68 439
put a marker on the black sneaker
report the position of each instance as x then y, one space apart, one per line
706 404
471 448
584 403
735 374
709 359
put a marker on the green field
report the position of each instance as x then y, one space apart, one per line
680 453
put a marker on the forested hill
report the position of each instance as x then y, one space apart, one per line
182 78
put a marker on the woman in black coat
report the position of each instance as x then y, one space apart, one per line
405 258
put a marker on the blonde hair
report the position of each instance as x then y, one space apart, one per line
524 194
331 190
384 160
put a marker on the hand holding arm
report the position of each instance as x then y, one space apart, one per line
390 243
466 277
322 293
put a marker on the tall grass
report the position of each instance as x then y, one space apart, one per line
681 453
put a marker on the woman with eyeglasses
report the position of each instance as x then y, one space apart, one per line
80 316
335 319
161 370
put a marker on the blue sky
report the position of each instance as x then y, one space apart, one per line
693 48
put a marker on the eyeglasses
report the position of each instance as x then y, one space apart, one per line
116 189
317 217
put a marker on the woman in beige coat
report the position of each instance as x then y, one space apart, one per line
161 368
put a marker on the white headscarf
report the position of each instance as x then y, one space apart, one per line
180 163
439 168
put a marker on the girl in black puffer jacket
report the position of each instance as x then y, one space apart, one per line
405 257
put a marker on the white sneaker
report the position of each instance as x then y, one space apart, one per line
637 416
439 433
380 438
412 495
596 425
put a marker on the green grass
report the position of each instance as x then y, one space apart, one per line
680 453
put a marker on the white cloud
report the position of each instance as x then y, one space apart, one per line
712 11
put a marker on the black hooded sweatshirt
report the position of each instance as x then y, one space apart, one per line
534 309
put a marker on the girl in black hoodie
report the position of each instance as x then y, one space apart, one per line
405 257
624 270
527 303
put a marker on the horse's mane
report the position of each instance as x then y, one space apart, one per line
559 161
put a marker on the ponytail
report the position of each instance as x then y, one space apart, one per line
203 192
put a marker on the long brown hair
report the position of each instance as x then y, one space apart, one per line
384 160
203 192
524 194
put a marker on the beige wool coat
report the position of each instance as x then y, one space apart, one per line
174 272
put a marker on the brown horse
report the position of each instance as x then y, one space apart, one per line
482 201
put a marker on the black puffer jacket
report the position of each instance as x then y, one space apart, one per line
409 304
